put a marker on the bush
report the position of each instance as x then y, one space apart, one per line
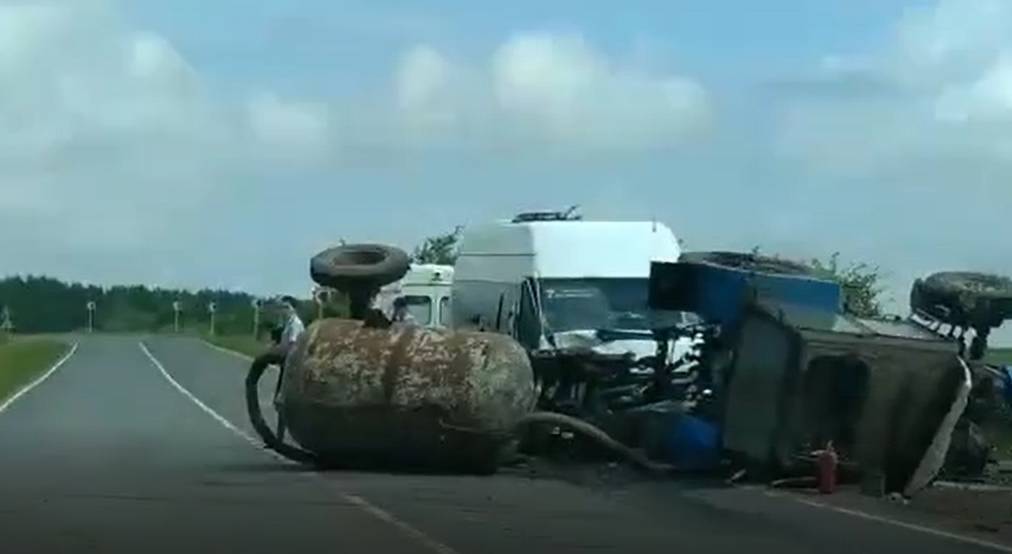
861 283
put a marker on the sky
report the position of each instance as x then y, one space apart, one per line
186 143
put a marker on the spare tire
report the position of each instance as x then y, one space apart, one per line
963 298
354 266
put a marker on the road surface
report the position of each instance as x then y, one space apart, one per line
127 450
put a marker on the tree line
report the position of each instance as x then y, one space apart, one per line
39 304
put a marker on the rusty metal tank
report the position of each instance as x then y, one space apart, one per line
405 395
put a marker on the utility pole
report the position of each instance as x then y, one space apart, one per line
91 315
256 317
212 308
177 307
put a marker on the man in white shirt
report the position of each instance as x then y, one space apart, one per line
293 325
293 329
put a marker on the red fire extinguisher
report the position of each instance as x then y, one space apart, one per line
827 462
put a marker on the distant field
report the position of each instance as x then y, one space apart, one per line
1000 356
23 359
243 344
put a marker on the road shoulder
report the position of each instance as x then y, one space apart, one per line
27 362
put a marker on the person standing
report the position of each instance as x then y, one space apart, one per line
291 331
401 312
293 327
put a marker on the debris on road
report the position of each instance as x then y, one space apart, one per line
887 393
774 373
422 396
369 391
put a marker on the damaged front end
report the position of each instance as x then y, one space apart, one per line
616 379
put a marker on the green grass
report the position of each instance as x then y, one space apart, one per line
1000 356
23 359
243 344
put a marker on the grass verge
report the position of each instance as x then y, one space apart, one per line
24 359
1001 356
242 344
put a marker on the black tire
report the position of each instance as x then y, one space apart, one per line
357 266
748 262
963 298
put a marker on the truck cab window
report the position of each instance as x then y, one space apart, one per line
421 308
444 311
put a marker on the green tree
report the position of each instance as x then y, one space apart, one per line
861 284
440 249
46 305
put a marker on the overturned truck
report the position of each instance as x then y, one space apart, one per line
798 373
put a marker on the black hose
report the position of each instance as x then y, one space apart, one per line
597 435
272 441
256 416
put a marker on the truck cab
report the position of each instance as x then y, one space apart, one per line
575 294
426 287
553 281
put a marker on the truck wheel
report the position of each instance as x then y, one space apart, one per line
964 299
359 266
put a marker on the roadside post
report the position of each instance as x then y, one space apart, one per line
91 306
177 307
7 325
212 308
256 316
320 297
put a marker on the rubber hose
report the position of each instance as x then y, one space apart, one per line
597 435
256 416
296 454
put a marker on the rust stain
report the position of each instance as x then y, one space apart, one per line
390 380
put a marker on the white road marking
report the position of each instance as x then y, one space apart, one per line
914 527
886 520
436 546
361 503
227 351
183 390
24 390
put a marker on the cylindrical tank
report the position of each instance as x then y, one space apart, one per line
405 395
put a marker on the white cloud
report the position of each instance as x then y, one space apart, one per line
118 164
426 99
540 89
422 78
919 135
109 144
291 128
943 90
942 37
559 88
988 98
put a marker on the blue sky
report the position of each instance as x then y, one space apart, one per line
221 143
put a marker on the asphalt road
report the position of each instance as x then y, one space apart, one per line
111 455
